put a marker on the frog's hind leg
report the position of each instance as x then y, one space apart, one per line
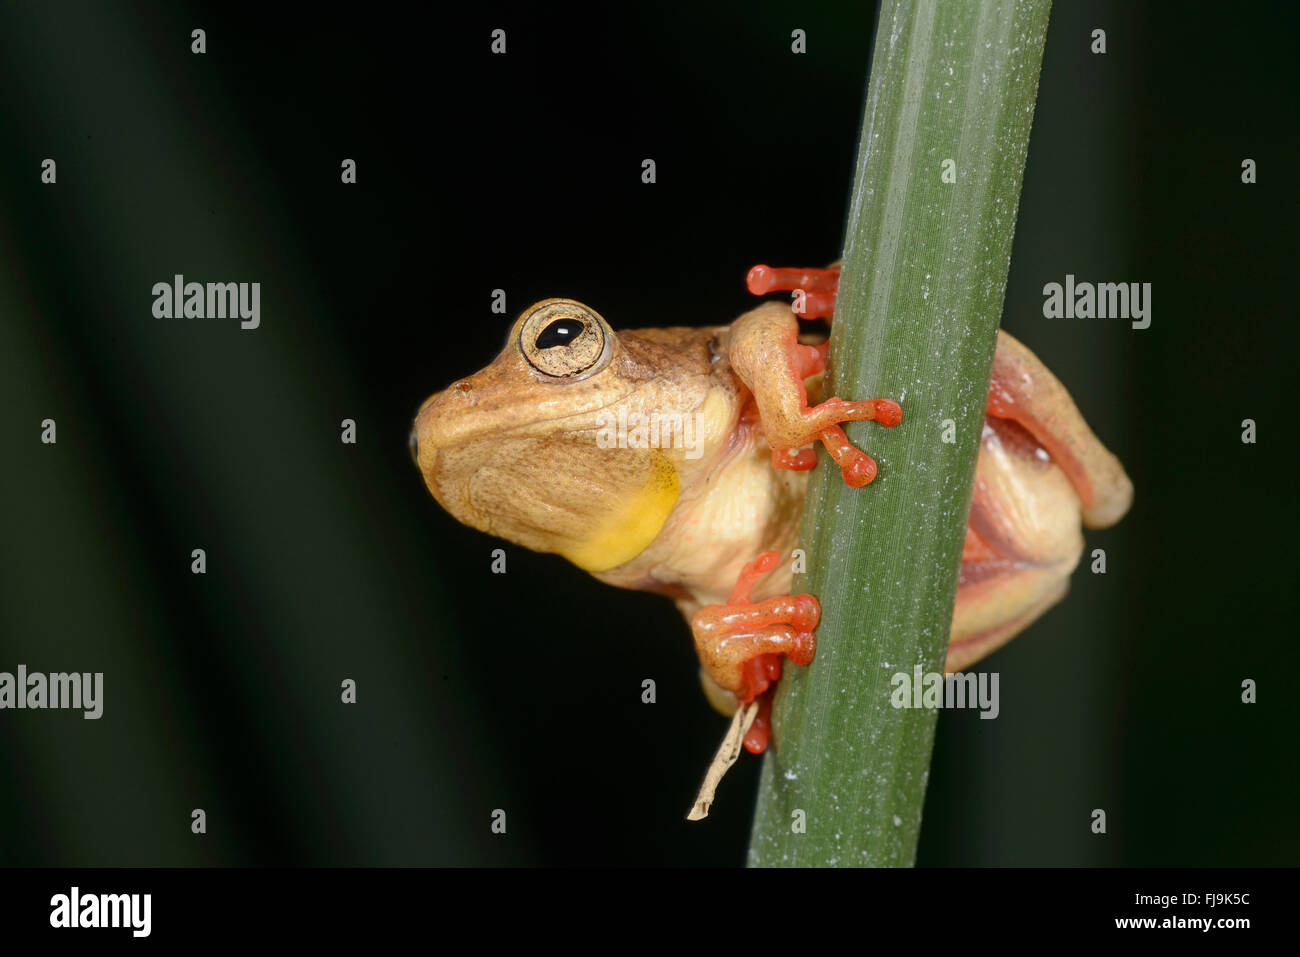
1040 470
1025 391
1022 543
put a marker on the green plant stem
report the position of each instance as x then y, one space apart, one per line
920 298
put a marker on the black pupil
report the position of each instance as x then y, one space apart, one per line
559 333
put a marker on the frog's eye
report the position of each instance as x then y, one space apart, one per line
561 332
564 339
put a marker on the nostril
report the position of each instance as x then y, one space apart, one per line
462 386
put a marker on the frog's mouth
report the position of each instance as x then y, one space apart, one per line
599 508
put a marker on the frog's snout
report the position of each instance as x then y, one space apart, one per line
446 418
424 454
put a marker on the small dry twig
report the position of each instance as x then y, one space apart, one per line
727 754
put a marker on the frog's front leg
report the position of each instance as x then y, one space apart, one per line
740 645
766 354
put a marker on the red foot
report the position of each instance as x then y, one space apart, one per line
857 467
815 287
760 673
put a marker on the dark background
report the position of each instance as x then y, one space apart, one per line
522 172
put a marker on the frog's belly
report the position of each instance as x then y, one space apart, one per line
742 508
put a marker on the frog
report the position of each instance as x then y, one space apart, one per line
523 450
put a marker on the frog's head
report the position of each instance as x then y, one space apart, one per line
528 448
